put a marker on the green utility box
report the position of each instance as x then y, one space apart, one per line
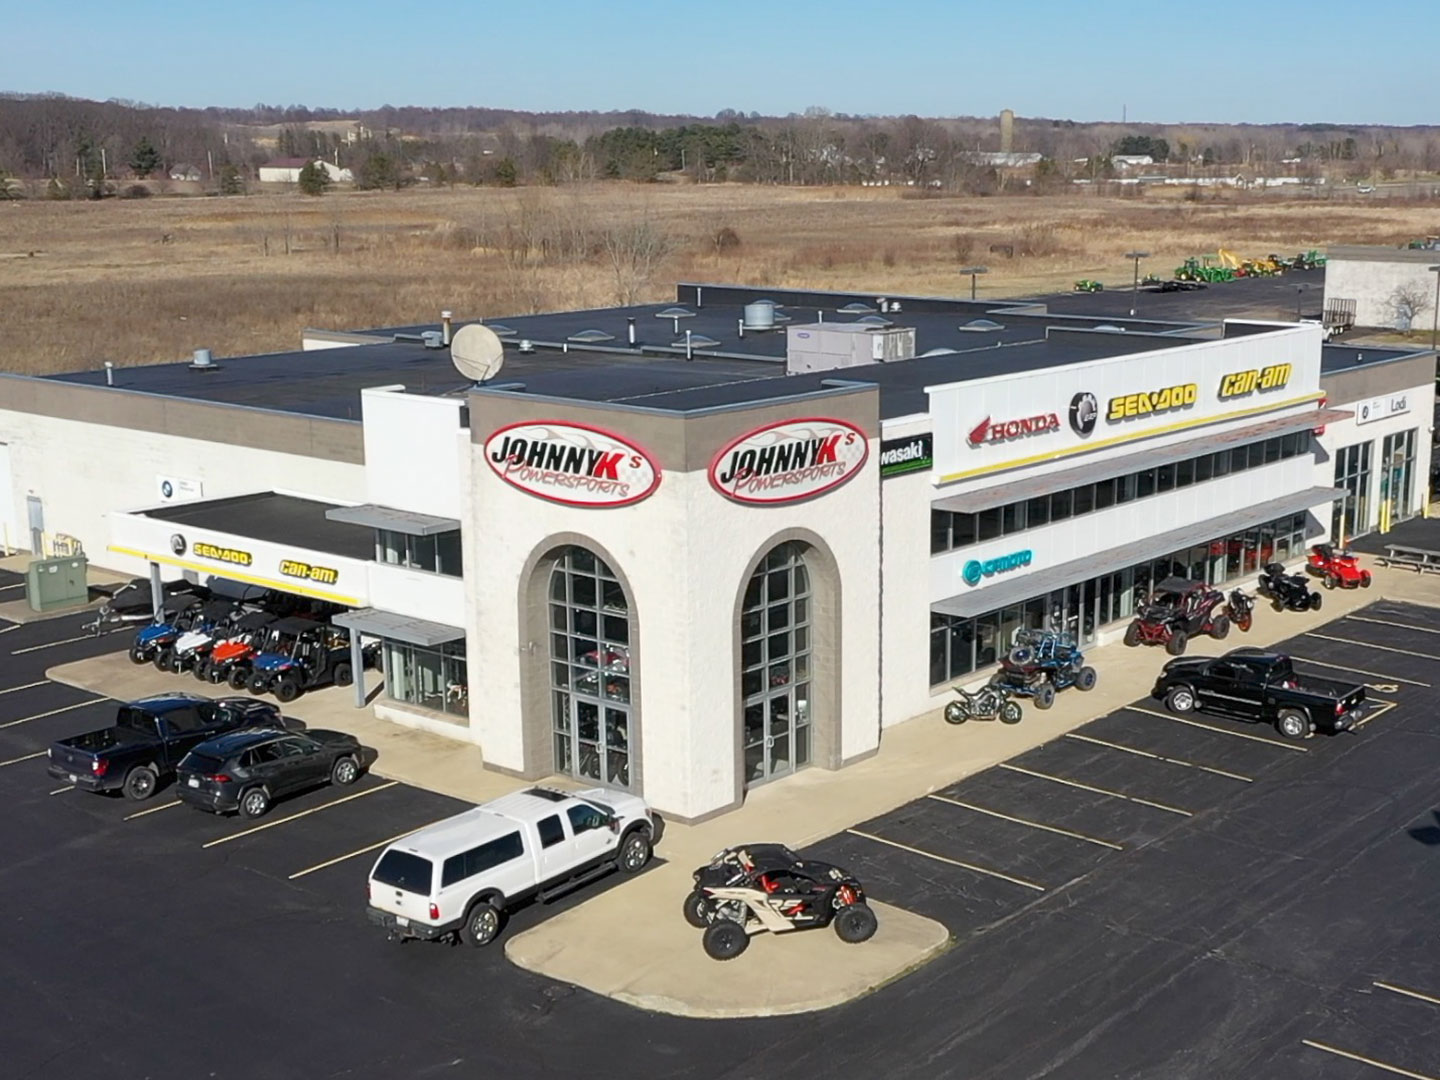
57 583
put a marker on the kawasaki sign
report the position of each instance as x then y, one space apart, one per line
976 571
900 456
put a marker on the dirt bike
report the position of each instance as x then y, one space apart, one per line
1241 609
987 703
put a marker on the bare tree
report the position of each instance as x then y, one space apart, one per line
635 250
1406 301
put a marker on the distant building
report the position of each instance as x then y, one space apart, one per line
336 174
282 170
1000 160
185 172
1131 161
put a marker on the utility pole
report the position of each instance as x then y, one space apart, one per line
1135 288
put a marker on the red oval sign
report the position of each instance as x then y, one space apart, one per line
573 464
789 461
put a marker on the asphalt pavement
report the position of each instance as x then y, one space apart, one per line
1145 897
1251 297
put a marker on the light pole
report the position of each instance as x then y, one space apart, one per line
974 272
1299 292
1135 289
1435 319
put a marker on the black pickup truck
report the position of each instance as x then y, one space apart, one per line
149 738
1261 687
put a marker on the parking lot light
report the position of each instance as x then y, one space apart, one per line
1136 256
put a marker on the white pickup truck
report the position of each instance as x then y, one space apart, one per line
460 876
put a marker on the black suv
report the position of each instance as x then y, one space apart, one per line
249 770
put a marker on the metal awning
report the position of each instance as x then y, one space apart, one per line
1018 590
385 517
971 502
387 624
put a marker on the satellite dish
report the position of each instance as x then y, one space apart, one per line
477 352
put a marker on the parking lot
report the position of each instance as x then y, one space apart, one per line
1148 896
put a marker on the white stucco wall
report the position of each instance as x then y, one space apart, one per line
1372 282
413 456
82 471
1420 405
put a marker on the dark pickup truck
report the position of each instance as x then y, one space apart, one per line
149 738
1261 687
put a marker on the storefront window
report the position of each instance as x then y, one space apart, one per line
988 524
775 661
433 678
1397 477
1037 511
438 554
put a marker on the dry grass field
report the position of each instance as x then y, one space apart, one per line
147 281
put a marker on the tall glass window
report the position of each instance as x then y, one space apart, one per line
1397 481
1352 473
775 644
431 678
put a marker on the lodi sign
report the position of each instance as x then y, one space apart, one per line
789 461
573 464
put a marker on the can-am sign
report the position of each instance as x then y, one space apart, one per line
573 464
789 461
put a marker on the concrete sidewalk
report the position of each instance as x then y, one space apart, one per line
632 944
19 611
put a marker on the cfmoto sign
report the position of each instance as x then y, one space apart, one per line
975 571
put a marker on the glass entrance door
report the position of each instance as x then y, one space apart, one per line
775 666
1397 482
590 670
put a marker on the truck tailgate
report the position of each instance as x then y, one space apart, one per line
71 759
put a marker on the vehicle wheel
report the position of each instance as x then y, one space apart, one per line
257 684
1315 601
1010 712
201 671
955 713
697 909
254 803
1180 699
1331 581
1086 678
1044 695
1292 723
1132 635
1021 655
482 924
344 676
287 688
140 783
634 851
137 655
345 772
165 660
1176 645
1365 579
855 924
1219 627
725 939
239 677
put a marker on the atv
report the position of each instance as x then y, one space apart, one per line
1176 611
1089 285
991 702
229 659
1288 591
176 617
1337 568
191 647
1041 663
313 655
751 889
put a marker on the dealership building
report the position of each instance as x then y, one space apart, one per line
691 548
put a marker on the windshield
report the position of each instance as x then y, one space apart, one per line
403 870
608 811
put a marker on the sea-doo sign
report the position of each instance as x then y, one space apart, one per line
789 461
573 464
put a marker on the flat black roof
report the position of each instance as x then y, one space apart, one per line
1277 297
278 519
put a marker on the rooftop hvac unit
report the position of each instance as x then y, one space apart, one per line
830 346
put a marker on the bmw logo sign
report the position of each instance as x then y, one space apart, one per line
177 544
1084 411
167 489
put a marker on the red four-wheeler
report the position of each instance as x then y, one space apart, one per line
1337 568
1176 611
229 660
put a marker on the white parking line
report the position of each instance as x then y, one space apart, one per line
1388 622
360 851
152 810
27 757
24 686
54 712
61 790
952 862
7 629
1097 790
1394 1070
52 644
1025 821
1358 671
302 813
1372 645
1218 730
17 585
1408 993
1158 757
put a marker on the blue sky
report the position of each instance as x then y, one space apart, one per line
1162 60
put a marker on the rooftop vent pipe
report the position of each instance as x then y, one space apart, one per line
109 372
202 361
445 327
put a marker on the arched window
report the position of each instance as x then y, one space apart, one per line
776 671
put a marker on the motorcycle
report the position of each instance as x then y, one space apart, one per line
1241 609
988 703
1290 591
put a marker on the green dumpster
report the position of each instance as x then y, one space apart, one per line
57 583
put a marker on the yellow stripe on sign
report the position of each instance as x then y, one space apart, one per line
1118 440
234 575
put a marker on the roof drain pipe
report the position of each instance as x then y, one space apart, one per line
742 327
445 327
689 349
630 329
